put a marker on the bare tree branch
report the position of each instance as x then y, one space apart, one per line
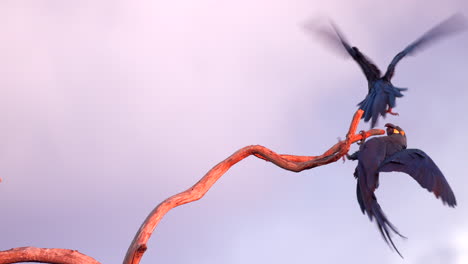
197 191
45 255
138 246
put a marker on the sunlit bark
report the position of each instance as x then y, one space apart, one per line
138 246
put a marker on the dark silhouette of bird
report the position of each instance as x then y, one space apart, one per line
382 94
386 154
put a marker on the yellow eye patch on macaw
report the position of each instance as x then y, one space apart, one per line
396 131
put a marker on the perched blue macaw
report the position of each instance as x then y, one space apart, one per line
386 154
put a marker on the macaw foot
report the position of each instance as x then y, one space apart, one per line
353 156
392 113
347 156
363 139
344 159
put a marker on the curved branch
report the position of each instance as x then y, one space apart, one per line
45 255
196 192
288 162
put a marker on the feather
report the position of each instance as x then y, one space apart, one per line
422 168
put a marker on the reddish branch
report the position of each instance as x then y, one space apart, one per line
45 255
197 191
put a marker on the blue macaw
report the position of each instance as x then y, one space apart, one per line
382 94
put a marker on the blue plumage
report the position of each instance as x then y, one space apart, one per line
386 154
382 94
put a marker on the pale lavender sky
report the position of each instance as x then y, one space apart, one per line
109 107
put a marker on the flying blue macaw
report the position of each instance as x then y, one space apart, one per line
382 94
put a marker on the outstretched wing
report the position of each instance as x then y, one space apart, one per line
420 166
336 39
451 25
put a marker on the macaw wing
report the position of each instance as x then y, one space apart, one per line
334 38
371 155
420 166
453 24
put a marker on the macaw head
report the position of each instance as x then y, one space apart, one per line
392 129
